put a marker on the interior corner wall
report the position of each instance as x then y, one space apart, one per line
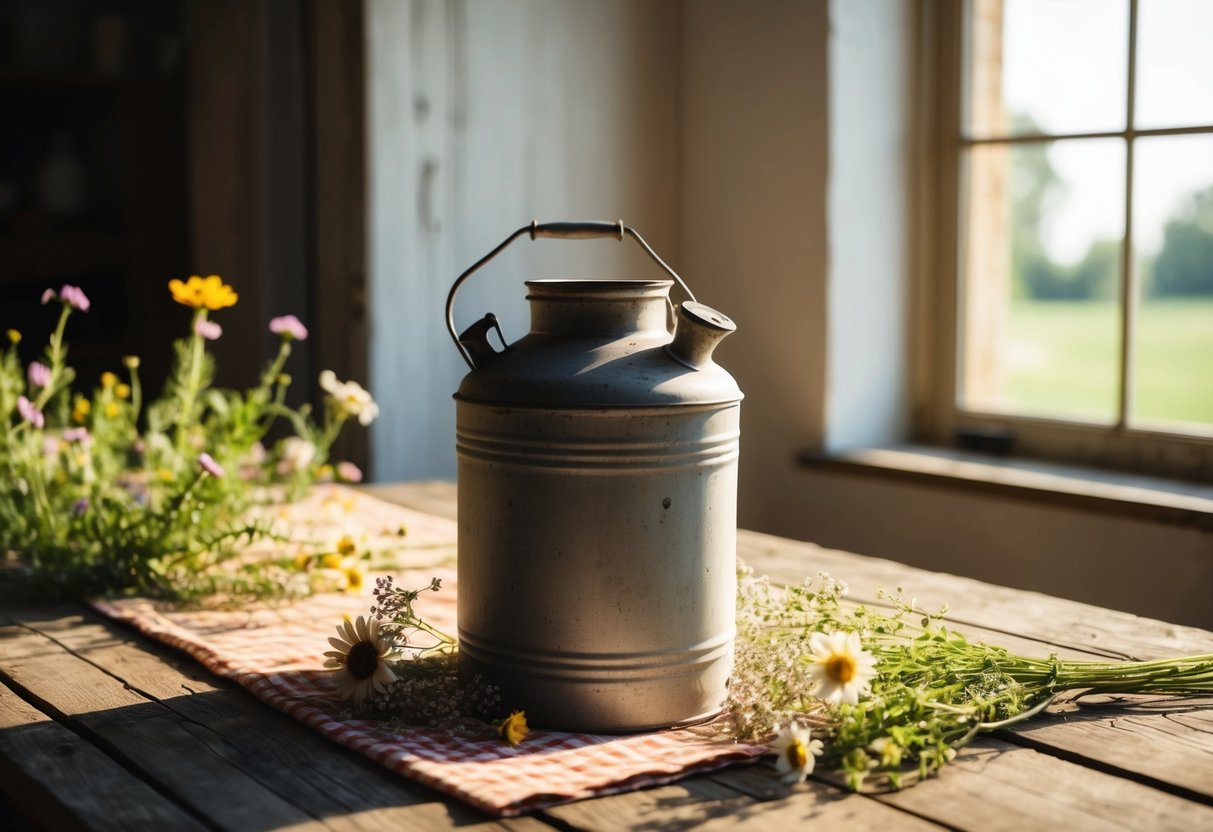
753 212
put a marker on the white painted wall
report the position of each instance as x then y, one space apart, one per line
483 116
761 147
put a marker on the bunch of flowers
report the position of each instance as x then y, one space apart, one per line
103 491
885 693
396 666
873 694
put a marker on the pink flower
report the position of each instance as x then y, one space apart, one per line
80 435
30 413
349 472
39 374
72 295
208 329
48 296
288 326
209 465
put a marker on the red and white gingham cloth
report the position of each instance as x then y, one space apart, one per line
278 654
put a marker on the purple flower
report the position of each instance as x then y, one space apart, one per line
80 435
288 326
48 296
39 374
208 329
73 295
80 506
349 472
29 413
209 465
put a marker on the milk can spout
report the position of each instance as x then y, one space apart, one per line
699 329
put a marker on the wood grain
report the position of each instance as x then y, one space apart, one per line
50 772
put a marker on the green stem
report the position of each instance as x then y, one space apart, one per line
56 356
195 377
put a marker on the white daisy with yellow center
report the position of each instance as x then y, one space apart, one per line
350 398
360 659
842 669
798 753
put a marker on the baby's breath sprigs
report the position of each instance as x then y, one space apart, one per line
896 692
423 660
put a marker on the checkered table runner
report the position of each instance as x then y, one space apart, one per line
277 653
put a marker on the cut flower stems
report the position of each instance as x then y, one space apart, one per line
880 696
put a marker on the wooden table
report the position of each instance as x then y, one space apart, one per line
101 728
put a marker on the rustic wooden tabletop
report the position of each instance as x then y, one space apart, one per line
101 728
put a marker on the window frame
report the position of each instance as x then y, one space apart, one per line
937 415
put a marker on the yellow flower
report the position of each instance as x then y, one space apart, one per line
211 292
355 578
797 753
302 560
14 336
81 409
131 362
111 410
108 380
122 391
345 546
513 729
165 475
331 561
360 658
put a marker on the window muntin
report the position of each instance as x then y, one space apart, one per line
1122 362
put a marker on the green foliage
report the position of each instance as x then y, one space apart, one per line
101 493
933 690
1184 266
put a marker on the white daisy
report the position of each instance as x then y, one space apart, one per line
797 753
359 658
350 397
842 669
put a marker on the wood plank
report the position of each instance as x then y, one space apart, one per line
1161 740
322 778
51 773
998 786
164 748
712 802
433 497
1046 618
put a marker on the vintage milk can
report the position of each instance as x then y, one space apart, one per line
597 501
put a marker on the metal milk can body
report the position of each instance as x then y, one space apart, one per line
597 510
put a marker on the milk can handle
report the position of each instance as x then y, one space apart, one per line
563 230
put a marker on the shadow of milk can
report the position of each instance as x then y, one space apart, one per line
598 501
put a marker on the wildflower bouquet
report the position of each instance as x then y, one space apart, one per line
104 491
896 692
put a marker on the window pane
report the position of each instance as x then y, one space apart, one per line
1048 66
1173 236
1174 63
1044 227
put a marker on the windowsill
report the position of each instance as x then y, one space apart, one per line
1139 497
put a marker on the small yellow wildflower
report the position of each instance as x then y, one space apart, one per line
131 362
108 379
513 729
14 337
81 409
302 560
112 410
165 475
210 292
355 578
331 561
123 391
345 545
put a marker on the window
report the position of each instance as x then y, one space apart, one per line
1076 261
